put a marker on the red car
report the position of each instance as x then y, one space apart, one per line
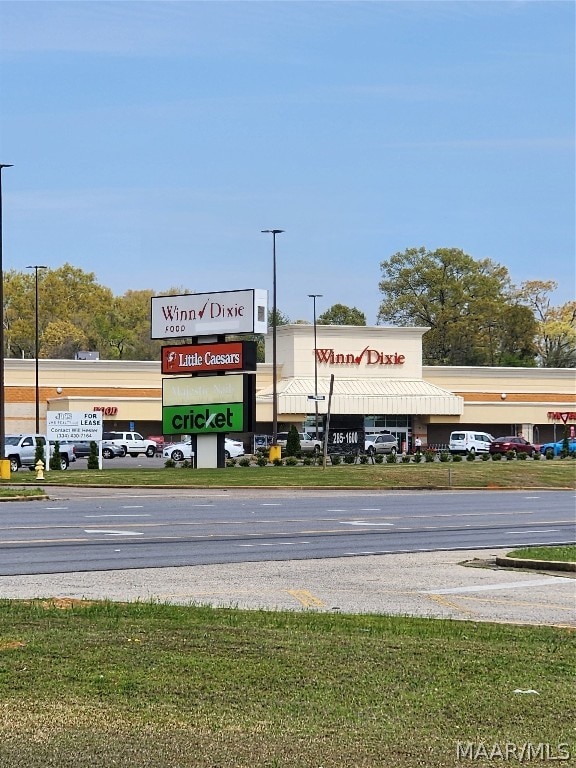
512 443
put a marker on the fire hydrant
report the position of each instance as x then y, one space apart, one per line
39 467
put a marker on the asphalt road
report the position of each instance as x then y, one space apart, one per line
292 550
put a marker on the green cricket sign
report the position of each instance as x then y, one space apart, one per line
208 404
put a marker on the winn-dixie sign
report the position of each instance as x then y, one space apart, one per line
368 356
209 358
207 404
207 314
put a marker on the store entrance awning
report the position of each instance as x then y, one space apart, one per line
366 396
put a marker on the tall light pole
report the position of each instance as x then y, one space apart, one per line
36 267
315 296
274 232
2 410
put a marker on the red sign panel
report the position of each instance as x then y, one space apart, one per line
209 358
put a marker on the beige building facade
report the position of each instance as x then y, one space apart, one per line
375 372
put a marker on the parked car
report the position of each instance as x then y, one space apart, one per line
109 450
20 450
383 442
512 443
464 441
183 450
558 447
308 444
159 440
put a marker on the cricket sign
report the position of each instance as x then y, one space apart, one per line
208 404
68 426
209 314
209 358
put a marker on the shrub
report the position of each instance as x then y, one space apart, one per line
510 455
244 461
349 458
307 461
186 464
231 461
429 456
55 460
485 457
471 457
537 456
417 458
278 463
549 453
292 442
522 456
93 457
456 458
335 459
363 458
39 454
391 458
379 458
169 463
445 456
497 457
291 461
262 461
405 459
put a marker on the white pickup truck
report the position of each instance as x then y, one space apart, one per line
21 451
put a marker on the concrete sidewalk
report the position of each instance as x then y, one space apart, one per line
436 584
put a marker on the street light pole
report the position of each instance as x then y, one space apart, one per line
2 410
274 232
36 267
315 296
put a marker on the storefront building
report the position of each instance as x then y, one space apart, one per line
375 372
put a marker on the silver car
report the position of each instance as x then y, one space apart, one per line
382 443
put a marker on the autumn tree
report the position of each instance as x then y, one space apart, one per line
340 314
463 301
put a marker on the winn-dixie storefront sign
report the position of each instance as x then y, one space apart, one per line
207 404
207 314
209 358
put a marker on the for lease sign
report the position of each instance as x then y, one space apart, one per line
69 426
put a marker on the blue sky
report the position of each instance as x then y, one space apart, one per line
152 141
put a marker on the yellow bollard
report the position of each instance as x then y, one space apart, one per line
39 467
4 469
274 452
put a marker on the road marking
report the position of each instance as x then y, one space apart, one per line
132 506
270 504
276 544
533 530
52 508
116 533
306 598
91 516
509 585
362 522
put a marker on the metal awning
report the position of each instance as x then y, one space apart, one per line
366 396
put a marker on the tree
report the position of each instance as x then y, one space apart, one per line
556 326
340 314
462 301
293 442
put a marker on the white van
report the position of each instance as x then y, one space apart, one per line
469 442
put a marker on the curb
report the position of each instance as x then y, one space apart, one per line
540 565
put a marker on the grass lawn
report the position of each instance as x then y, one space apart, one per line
159 686
480 474
565 554
9 493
